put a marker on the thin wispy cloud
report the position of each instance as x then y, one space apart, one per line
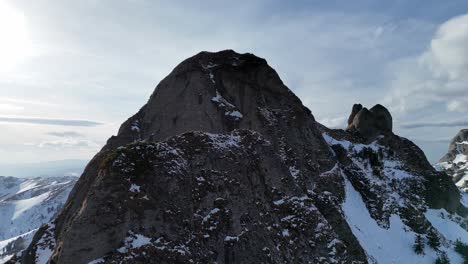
436 124
47 121
65 134
17 101
68 142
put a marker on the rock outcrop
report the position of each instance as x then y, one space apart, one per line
225 165
458 145
370 123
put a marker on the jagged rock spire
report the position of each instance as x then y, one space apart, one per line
370 123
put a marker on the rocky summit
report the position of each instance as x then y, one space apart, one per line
225 165
370 123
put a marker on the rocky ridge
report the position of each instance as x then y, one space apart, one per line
225 165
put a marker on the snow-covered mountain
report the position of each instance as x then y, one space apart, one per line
389 203
455 162
225 165
26 204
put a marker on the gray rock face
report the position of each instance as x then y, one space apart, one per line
383 118
225 165
370 123
354 111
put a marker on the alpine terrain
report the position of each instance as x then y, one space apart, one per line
26 204
455 162
225 165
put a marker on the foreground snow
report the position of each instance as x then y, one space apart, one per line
393 245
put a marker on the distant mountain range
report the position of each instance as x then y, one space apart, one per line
26 204
73 167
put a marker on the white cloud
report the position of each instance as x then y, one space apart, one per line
49 121
65 134
448 54
437 76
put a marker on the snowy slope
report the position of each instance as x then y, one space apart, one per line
26 204
384 234
394 245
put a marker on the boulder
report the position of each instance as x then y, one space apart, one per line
383 118
370 123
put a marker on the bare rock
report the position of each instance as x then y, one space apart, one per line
383 118
354 111
370 123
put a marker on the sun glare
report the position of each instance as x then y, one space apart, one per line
14 41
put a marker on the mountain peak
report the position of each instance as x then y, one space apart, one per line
213 92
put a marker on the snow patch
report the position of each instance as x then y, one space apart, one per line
210 214
219 99
230 110
231 239
135 126
444 223
463 181
222 142
23 205
45 245
235 114
97 261
134 188
294 171
464 199
134 241
460 158
348 145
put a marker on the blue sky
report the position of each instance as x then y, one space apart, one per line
75 70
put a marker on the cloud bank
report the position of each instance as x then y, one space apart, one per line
436 124
47 121
438 76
